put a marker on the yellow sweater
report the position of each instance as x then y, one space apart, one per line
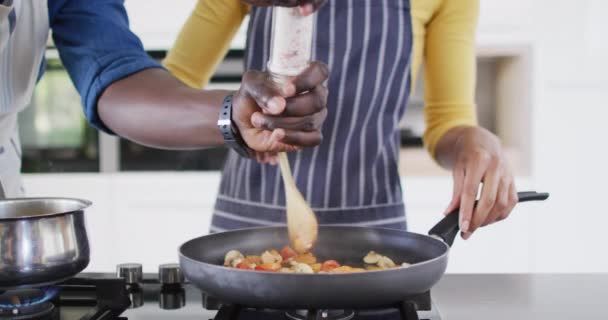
444 38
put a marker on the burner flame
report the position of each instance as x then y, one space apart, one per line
27 297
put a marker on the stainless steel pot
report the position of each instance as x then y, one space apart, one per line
42 241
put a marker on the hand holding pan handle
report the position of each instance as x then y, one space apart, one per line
448 227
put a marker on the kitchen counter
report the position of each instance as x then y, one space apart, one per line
538 297
472 297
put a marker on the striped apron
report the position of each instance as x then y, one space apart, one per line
352 177
24 28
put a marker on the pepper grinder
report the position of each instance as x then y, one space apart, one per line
290 54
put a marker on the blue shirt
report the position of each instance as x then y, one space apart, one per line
96 47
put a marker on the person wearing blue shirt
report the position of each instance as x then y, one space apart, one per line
127 93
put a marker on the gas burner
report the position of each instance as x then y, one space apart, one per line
321 314
27 303
415 307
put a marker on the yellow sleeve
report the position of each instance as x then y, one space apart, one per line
204 40
450 69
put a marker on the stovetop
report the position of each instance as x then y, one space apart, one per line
94 296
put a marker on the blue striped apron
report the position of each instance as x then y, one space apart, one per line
352 177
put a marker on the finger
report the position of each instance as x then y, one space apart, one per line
307 9
301 138
273 159
310 8
307 103
473 175
267 157
501 204
307 123
264 91
259 156
513 199
316 73
458 177
487 200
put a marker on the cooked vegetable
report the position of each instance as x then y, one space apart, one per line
303 268
245 266
273 267
372 258
288 253
231 256
253 260
271 256
330 265
288 261
385 262
307 258
316 267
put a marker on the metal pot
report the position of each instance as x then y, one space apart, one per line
42 241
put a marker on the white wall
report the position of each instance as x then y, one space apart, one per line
571 97
143 217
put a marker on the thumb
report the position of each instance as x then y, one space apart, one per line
458 186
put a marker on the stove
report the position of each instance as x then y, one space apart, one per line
131 295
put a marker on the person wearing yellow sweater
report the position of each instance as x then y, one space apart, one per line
374 50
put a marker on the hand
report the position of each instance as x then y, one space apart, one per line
273 118
306 6
479 158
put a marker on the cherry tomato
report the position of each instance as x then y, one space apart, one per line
330 265
273 267
244 265
288 252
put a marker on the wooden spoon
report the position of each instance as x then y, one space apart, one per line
302 224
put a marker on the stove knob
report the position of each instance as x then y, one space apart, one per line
131 272
170 273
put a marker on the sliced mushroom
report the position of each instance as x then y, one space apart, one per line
303 268
231 256
286 270
405 265
236 262
385 262
277 256
271 257
372 258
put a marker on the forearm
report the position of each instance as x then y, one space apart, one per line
153 108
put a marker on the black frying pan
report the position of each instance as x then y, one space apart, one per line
201 260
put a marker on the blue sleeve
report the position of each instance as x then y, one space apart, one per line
96 47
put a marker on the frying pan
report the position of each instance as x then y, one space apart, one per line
202 259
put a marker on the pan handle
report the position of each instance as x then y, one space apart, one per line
447 229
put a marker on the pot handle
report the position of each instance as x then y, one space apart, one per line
447 229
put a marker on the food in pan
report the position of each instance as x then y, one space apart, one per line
289 261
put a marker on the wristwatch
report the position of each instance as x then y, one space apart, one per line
230 131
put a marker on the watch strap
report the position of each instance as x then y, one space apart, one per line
230 131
